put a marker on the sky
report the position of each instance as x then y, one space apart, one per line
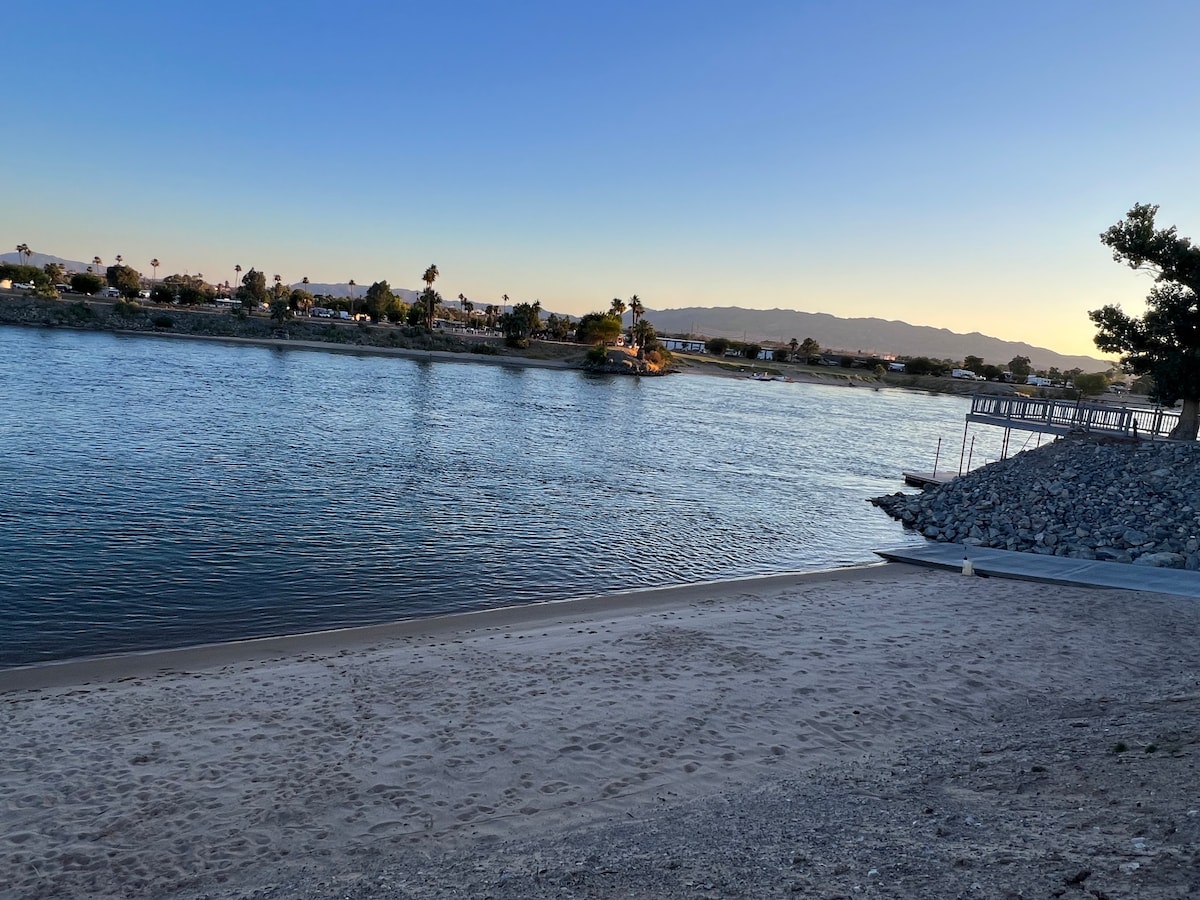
941 163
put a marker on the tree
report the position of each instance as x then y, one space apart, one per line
598 328
779 354
751 351
716 346
160 293
1090 385
379 302
54 272
1018 366
793 346
253 291
429 297
97 262
809 349
125 279
280 311
86 283
192 294
154 264
618 307
974 363
300 299
636 307
923 365
646 338
520 325
1165 341
22 251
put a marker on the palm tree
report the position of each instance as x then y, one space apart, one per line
154 264
505 299
468 308
23 252
97 262
430 297
635 307
119 258
237 275
618 307
461 308
352 284
793 345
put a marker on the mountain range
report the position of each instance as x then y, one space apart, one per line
880 336
877 336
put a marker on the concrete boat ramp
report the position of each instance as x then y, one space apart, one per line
1049 569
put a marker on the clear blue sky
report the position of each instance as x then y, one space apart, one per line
947 164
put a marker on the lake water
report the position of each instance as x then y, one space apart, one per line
160 493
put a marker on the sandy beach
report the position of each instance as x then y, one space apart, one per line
885 731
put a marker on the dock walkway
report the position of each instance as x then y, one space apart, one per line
1049 569
1071 416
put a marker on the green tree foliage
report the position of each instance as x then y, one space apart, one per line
990 372
125 279
300 299
162 293
380 302
558 328
1090 385
280 310
1018 366
430 299
974 363
428 304
923 365
23 274
645 337
716 346
751 351
810 350
55 272
86 283
598 328
191 294
253 291
520 325
780 354
1165 341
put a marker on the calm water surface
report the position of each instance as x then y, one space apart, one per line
160 493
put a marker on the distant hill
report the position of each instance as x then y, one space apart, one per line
882 336
360 290
41 259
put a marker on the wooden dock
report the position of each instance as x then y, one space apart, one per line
927 479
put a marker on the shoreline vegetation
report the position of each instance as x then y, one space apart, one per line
93 314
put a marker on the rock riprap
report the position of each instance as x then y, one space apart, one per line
1084 498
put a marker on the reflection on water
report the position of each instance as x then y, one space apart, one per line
161 493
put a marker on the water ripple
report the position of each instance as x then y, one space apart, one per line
161 493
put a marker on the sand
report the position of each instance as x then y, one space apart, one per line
884 731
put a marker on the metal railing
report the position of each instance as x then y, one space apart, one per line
1068 416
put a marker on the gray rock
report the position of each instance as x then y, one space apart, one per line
1079 497
1135 538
